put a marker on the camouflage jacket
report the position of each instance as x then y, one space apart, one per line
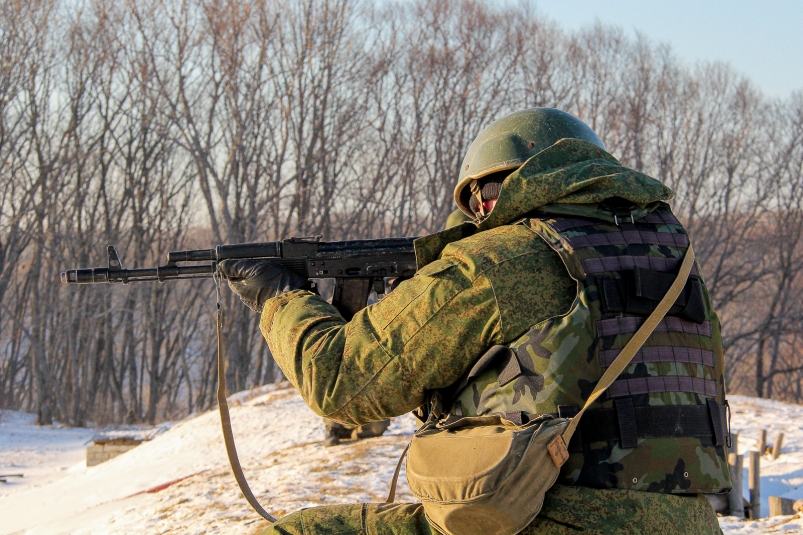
478 285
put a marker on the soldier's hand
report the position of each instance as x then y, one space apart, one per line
256 281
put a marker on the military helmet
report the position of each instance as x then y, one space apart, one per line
507 143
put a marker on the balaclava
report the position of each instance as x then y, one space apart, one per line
488 187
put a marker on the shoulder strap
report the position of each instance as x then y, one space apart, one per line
635 343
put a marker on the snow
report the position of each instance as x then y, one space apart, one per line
129 432
192 490
781 477
43 454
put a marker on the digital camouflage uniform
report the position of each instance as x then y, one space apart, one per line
457 217
485 285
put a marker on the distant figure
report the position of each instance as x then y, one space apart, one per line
335 432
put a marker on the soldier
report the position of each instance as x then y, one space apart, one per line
567 252
335 431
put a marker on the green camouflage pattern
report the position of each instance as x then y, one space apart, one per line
570 172
561 356
457 217
384 361
477 286
567 510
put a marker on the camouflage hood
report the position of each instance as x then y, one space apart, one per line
571 176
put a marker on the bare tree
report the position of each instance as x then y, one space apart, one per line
173 124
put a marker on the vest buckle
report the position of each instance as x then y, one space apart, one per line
618 217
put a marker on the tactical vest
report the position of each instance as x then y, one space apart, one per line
661 426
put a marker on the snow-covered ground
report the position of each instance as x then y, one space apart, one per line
781 477
180 481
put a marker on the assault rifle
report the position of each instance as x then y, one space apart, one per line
358 266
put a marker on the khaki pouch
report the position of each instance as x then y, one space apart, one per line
483 474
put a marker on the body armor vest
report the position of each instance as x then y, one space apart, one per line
661 426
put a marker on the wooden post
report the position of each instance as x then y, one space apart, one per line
776 447
735 498
734 444
754 483
781 506
762 442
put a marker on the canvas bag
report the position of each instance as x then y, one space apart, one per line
488 475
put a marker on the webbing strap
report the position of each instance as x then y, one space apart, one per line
684 355
630 324
392 492
635 343
225 419
716 421
626 418
595 265
666 383
629 237
661 421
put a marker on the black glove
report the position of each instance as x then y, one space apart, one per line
256 281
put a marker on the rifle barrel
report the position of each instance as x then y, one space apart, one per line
161 273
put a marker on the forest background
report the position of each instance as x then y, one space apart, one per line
160 125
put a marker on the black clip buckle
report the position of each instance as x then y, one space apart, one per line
617 218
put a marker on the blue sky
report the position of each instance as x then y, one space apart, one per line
762 39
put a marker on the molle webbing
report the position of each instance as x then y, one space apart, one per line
651 218
654 385
662 354
592 240
629 237
631 324
631 264
593 266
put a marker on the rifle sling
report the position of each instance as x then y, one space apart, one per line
225 420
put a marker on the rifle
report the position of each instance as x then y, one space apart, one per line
358 266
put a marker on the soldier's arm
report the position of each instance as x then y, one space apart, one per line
422 336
